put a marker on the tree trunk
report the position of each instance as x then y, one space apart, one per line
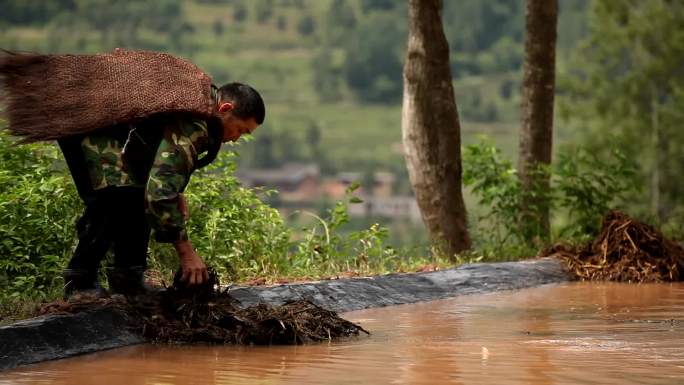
660 204
431 130
536 132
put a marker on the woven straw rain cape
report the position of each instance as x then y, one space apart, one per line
56 96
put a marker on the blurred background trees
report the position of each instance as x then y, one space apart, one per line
330 72
625 87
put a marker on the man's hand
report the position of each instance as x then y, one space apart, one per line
183 207
194 271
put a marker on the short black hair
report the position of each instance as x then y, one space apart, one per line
248 102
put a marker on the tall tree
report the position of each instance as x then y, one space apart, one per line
430 128
536 131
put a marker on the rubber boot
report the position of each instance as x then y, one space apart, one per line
82 282
129 281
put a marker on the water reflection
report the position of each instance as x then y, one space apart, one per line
567 334
538 320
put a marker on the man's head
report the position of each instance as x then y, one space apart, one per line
241 109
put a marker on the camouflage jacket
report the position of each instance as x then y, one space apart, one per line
160 158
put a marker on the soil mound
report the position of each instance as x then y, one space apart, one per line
625 250
178 315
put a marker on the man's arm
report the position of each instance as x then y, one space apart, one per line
194 270
166 207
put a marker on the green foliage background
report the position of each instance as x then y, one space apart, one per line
626 89
38 208
584 187
330 72
344 75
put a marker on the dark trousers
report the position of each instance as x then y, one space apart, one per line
114 217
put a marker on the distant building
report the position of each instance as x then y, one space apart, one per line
395 207
300 187
335 188
294 181
383 184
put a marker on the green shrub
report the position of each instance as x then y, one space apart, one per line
330 250
584 187
495 182
588 186
38 209
230 226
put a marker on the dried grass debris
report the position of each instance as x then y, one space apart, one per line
178 315
625 250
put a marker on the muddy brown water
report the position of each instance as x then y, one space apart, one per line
561 334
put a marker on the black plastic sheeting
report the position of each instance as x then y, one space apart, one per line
396 289
59 336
